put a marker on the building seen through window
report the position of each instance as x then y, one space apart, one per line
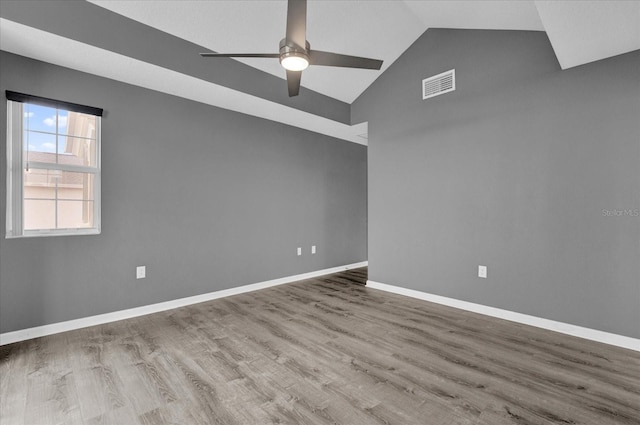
57 152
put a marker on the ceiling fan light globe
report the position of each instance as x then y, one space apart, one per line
294 63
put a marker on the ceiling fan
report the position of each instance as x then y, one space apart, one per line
295 53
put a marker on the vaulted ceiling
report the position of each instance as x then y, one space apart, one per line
146 42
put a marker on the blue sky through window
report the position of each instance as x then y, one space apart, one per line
40 128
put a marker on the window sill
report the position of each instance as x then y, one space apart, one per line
49 233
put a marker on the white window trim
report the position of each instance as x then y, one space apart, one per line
15 165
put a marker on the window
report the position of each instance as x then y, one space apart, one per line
53 167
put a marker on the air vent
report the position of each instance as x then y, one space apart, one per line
439 84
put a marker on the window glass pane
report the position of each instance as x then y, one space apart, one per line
62 196
75 214
78 125
40 147
75 186
39 181
39 118
39 214
77 151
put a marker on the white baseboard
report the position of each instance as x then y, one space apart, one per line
54 328
565 328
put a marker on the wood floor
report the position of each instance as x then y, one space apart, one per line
321 351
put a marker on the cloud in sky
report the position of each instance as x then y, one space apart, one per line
28 114
51 121
48 147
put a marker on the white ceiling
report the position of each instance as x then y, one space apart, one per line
580 31
595 30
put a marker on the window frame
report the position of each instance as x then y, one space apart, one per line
16 164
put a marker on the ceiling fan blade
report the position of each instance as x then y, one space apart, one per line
297 22
240 55
318 57
293 82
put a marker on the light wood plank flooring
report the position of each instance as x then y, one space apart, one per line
321 351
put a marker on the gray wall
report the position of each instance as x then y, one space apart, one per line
206 198
512 170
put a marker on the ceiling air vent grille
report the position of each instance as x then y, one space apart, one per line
439 84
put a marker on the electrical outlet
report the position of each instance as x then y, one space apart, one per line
313 249
299 251
482 272
141 272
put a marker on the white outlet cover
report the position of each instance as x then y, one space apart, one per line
313 249
482 272
141 272
299 251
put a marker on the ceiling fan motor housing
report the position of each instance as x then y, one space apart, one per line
290 49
